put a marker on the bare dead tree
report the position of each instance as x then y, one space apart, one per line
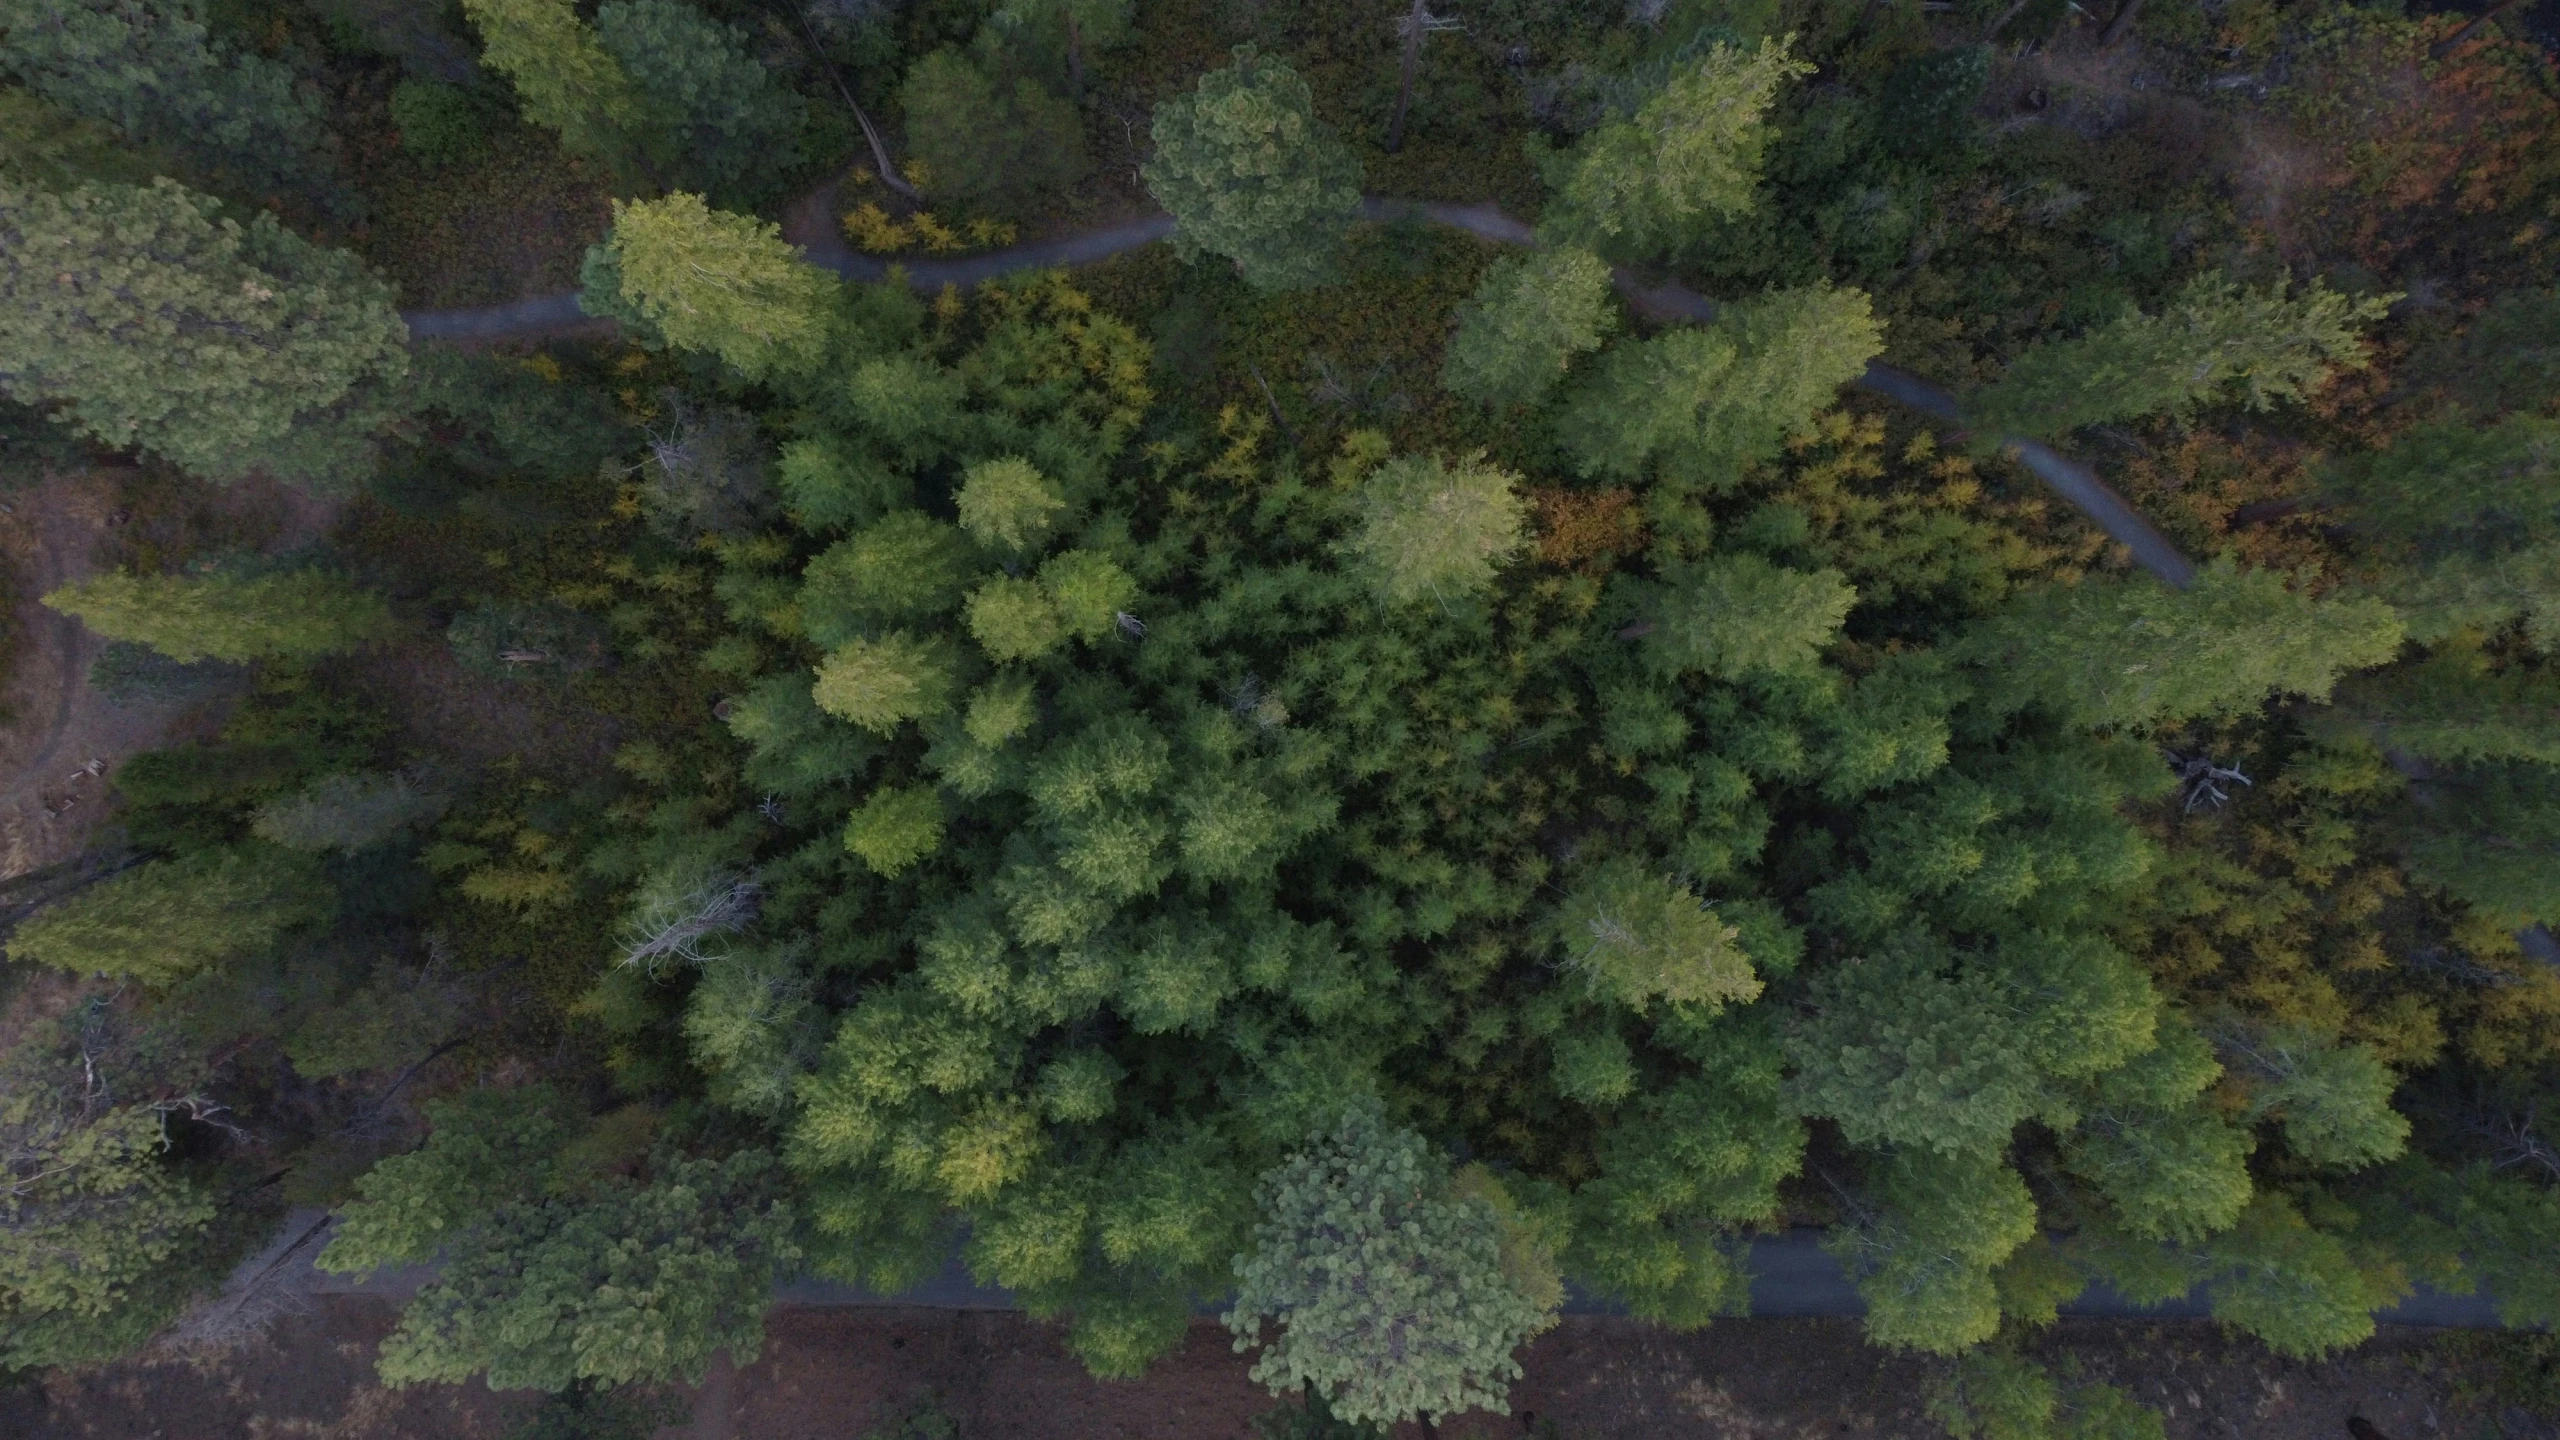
807 36
2204 780
687 928
1414 24
273 1284
2514 1142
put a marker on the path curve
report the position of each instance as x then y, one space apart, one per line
811 223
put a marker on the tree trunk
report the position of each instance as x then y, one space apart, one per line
2120 26
2016 9
2446 46
870 133
1412 63
1075 58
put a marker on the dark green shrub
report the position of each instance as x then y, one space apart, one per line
127 673
989 146
444 124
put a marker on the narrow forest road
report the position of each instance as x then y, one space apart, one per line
1791 1274
810 223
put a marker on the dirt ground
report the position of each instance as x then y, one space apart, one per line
836 1374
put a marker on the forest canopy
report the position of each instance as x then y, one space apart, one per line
1346 770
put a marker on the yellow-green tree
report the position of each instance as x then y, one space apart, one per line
711 280
291 615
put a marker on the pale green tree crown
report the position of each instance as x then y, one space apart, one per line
1436 529
729 284
1009 505
1635 936
1250 174
564 77
1390 1293
1690 154
1528 319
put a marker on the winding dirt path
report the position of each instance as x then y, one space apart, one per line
810 223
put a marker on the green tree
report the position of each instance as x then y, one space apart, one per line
1990 1394
141 316
1646 183
481 1145
710 280
53 147
557 1272
2332 1101
161 922
1082 25
2458 704
2148 1142
896 828
149 68
282 615
906 567
1699 404
992 147
1389 1292
2488 834
2216 343
2130 652
1930 1230
564 77
1635 937
1008 506
96 1221
1526 322
1736 615
2462 514
2296 1287
348 812
1926 1048
1249 174
445 125
1433 529
708 112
